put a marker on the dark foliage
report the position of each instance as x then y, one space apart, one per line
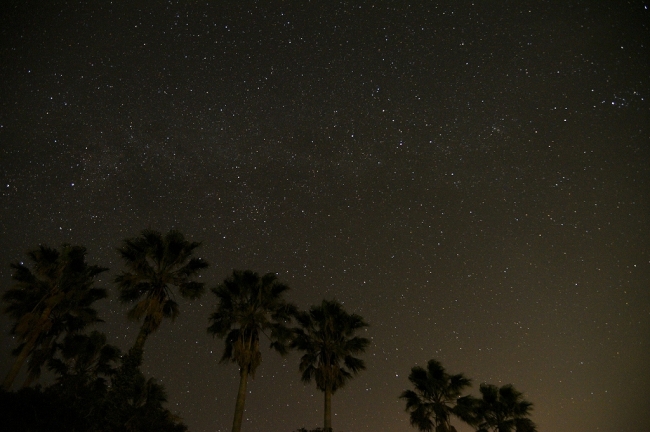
434 400
156 263
250 306
327 337
91 394
500 409
52 298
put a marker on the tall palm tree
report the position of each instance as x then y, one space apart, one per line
71 320
249 306
327 338
502 409
434 400
155 263
54 298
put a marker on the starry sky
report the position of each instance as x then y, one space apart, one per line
470 177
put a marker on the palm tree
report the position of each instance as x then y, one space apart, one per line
69 321
434 400
155 264
502 410
54 298
327 338
250 305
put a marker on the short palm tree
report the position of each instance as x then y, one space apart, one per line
249 306
156 263
84 367
434 400
85 360
503 409
54 298
327 337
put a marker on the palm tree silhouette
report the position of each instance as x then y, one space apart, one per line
248 306
434 400
55 298
155 264
502 409
86 360
327 338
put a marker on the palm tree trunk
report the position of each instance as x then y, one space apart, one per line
29 380
327 420
29 346
18 363
141 339
241 399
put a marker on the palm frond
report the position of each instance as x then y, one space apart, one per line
51 298
503 409
326 336
250 305
156 263
435 398
191 290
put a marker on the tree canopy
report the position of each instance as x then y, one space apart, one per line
53 297
433 402
250 306
327 337
156 263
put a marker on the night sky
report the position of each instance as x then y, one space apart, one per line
470 177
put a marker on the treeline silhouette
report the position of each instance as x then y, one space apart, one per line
96 387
